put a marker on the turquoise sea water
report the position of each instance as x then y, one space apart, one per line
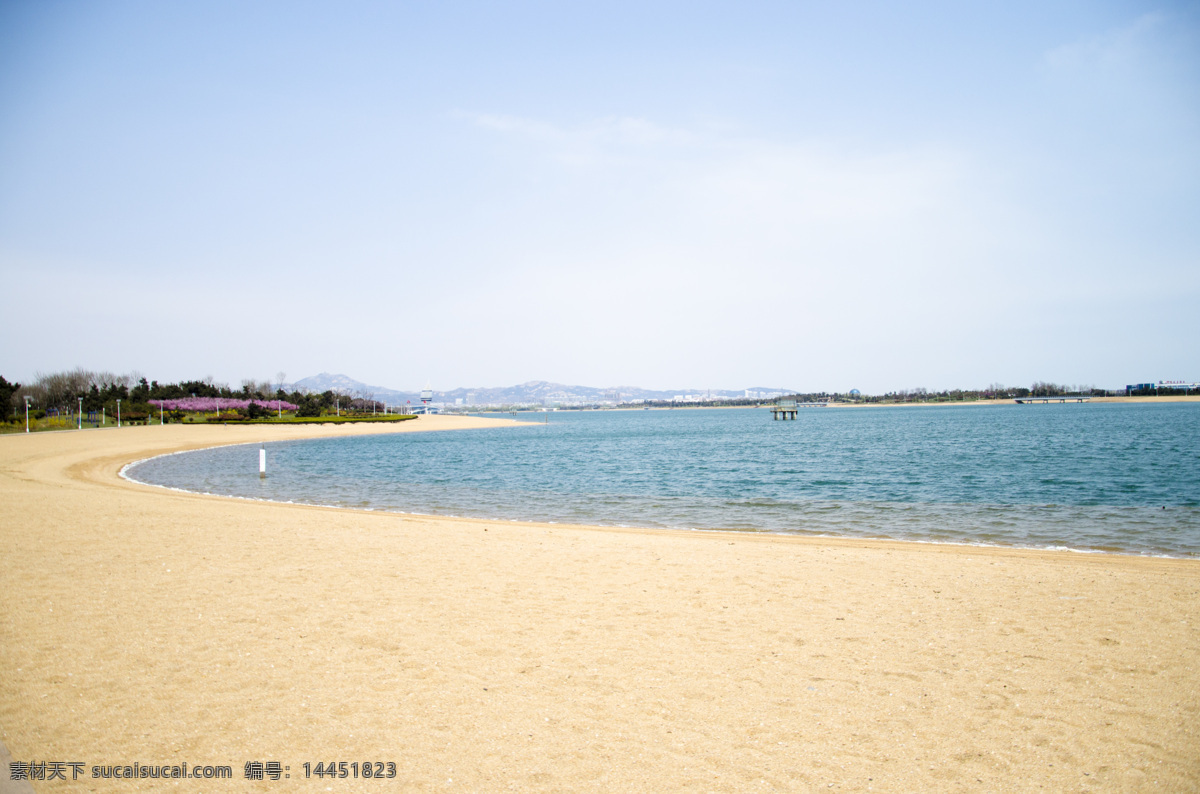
1091 477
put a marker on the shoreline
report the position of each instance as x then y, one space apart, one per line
141 622
968 533
1059 548
1006 401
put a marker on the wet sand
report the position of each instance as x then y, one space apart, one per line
144 625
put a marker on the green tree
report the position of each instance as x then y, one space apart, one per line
140 392
92 401
310 405
7 390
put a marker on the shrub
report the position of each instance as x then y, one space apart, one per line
309 407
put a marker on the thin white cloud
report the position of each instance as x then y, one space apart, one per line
691 224
1118 49
618 130
737 177
596 143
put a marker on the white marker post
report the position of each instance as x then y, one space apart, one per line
80 413
118 412
262 461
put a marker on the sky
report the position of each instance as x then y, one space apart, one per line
818 196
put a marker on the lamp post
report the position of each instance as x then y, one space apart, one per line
80 413
279 383
118 412
26 413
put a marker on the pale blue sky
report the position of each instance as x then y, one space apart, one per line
670 195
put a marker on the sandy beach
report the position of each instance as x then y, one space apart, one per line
144 625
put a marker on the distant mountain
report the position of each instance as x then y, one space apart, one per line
353 388
537 392
540 392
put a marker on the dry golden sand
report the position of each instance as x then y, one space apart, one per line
139 624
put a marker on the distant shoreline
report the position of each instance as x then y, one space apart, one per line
1166 398
943 404
1010 401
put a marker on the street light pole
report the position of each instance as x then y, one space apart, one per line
80 413
26 413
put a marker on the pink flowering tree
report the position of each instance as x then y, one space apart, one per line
216 404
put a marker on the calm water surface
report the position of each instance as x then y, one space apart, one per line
1092 477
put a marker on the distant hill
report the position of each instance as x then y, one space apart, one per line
344 384
537 392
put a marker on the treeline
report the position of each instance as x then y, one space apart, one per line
918 394
59 393
994 391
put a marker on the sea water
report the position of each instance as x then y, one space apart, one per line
1089 477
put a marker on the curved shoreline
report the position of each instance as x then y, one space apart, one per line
437 422
1060 547
475 513
142 623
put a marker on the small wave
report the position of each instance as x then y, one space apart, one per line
681 481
